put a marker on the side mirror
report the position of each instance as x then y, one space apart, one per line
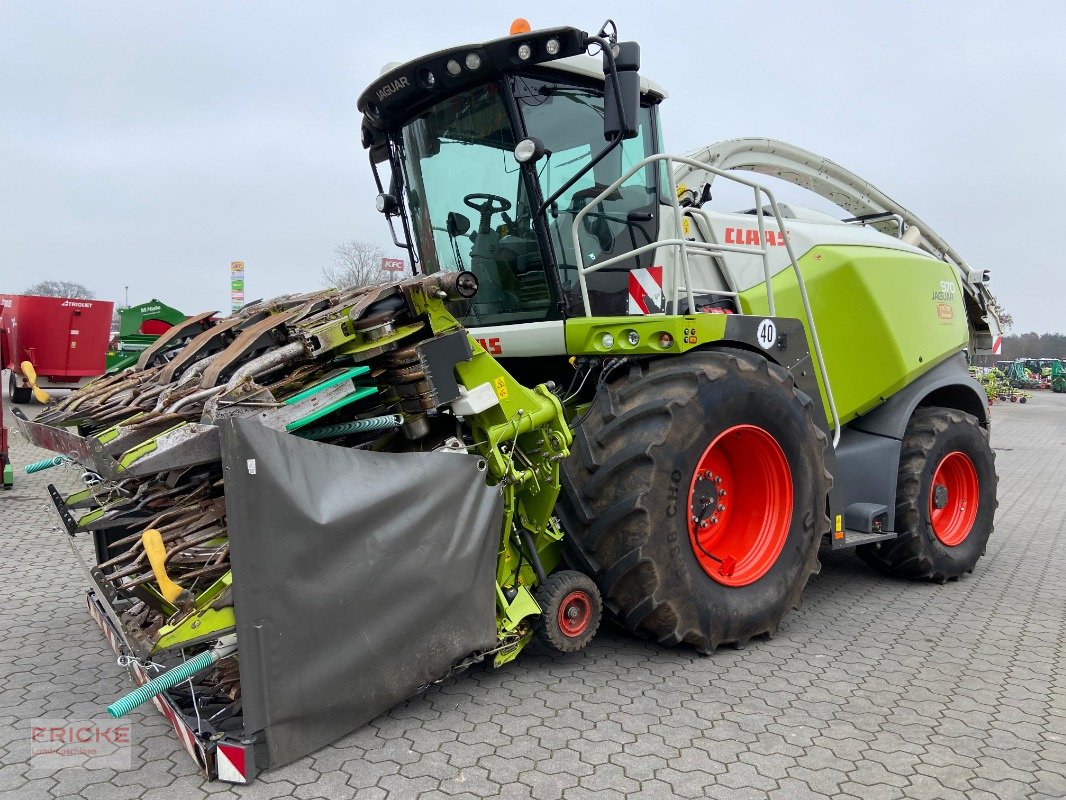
621 109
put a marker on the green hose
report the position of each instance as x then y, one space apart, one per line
159 684
37 466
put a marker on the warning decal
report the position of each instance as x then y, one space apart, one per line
646 290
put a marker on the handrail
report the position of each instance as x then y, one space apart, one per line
684 245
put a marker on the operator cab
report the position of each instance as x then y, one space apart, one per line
447 125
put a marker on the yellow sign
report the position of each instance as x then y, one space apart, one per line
500 384
684 225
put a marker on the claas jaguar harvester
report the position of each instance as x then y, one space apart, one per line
315 508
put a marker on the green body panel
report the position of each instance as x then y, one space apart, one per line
523 439
131 319
357 394
90 517
130 339
143 449
318 387
204 621
883 316
118 360
80 499
584 336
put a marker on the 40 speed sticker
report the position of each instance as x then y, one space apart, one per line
767 334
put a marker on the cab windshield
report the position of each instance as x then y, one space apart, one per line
473 207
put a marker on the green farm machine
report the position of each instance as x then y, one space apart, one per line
1058 376
138 327
596 393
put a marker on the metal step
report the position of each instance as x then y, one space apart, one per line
855 538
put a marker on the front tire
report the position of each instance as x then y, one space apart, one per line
945 499
18 394
639 497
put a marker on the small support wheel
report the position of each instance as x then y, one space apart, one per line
571 608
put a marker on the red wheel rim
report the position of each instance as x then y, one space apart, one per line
740 505
953 498
575 613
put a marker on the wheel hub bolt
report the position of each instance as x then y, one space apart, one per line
721 507
714 520
721 492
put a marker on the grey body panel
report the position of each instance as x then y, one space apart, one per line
358 577
891 417
867 466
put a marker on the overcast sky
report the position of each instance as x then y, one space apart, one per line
149 144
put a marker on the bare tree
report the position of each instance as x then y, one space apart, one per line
355 263
1006 319
60 289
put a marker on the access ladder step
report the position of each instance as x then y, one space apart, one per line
855 538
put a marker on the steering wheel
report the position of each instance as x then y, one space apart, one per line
491 204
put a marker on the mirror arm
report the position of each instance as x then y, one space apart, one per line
611 145
400 212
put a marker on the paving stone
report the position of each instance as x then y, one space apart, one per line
875 688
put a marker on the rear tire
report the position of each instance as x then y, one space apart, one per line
18 394
941 535
635 480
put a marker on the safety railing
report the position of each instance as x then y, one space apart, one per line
684 246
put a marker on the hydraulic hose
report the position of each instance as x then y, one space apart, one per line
534 556
169 679
46 463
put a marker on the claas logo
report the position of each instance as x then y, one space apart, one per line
492 346
750 236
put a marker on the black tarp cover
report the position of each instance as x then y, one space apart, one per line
357 578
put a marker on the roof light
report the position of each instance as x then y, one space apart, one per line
427 78
525 52
473 61
552 46
520 25
453 67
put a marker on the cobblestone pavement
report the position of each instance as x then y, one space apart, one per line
876 688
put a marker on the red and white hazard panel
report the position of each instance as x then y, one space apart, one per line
235 763
997 346
646 290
